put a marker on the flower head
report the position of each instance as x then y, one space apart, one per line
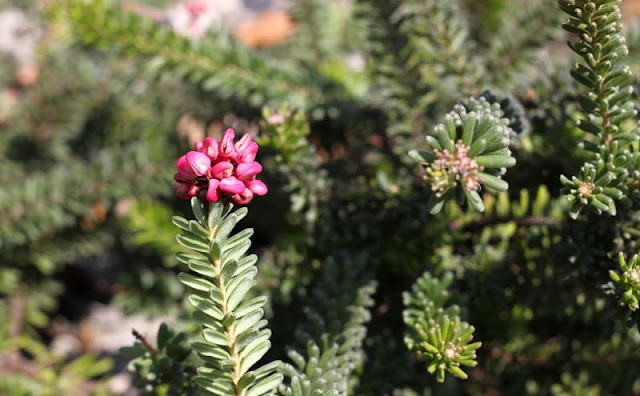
451 168
224 170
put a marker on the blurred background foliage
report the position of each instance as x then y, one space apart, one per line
98 99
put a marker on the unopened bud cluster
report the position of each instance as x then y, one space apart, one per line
225 170
628 281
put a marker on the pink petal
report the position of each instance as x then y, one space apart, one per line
231 185
212 191
247 171
243 143
227 149
186 191
184 168
210 148
199 146
249 153
257 187
243 198
221 170
199 162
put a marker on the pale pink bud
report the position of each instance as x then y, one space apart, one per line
275 119
212 191
186 191
257 187
196 7
182 178
247 171
184 168
199 162
231 185
227 149
249 153
221 170
244 197
210 148
199 146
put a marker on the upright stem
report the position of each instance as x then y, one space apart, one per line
230 331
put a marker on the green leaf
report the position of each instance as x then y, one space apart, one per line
191 242
254 356
237 294
246 380
227 272
266 385
163 335
247 322
250 306
198 210
180 222
205 306
493 182
195 283
495 161
475 200
422 157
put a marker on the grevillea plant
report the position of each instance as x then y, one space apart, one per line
234 335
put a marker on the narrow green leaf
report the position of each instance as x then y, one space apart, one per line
266 386
495 161
493 182
194 282
193 243
237 294
198 211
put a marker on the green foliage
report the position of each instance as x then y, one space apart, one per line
606 106
346 227
234 337
163 369
468 150
572 386
45 374
629 281
286 132
200 63
334 340
436 334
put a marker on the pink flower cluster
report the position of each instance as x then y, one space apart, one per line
226 171
452 168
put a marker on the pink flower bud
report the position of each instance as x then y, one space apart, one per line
210 148
196 7
212 191
247 171
231 185
199 146
244 197
184 168
249 153
199 162
257 187
275 119
243 143
221 170
227 149
182 178
186 191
